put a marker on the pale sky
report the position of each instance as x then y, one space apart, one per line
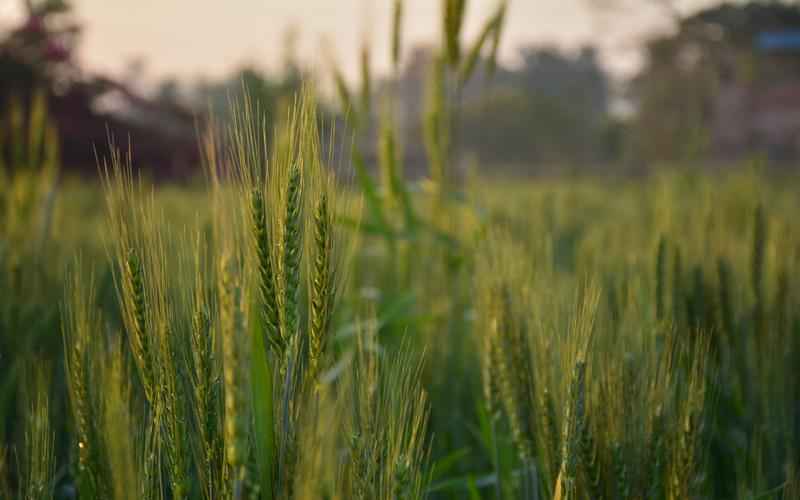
193 38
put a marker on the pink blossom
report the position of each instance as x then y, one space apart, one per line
34 25
55 51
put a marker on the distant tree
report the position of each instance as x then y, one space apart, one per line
38 56
39 52
552 108
169 91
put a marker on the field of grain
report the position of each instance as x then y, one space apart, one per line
275 330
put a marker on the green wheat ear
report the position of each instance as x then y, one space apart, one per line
321 283
291 250
134 296
266 282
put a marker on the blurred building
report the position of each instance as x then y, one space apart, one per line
763 115
727 83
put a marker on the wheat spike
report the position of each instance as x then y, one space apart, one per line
291 249
321 283
266 280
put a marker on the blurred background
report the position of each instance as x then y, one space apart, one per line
581 85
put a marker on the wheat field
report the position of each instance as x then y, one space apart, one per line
286 327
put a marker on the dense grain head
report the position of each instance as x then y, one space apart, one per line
295 162
262 237
291 247
322 282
